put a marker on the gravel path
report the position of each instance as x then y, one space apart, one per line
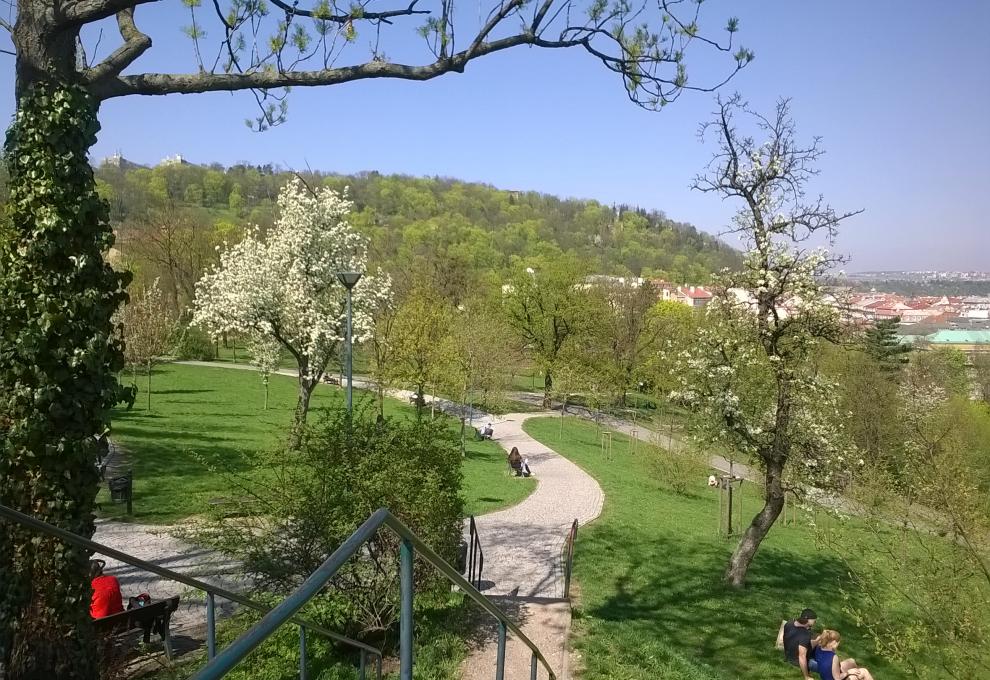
523 543
156 544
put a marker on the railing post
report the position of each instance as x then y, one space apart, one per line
302 653
406 611
500 657
378 668
211 626
361 667
532 667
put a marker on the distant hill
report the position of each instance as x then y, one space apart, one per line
405 215
170 219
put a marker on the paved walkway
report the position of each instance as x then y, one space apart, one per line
158 545
523 544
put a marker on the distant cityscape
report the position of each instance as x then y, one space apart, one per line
923 276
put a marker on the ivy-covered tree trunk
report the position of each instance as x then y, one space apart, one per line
547 389
59 358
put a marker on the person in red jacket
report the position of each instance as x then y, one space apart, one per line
106 592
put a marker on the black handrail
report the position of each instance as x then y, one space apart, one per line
212 591
569 557
476 556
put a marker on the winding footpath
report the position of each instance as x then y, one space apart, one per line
523 548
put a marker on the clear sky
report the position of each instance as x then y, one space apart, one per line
898 89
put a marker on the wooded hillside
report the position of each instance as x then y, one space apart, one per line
170 219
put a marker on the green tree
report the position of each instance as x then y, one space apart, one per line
422 342
481 351
883 344
920 576
546 307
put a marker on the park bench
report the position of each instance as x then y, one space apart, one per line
415 400
331 380
152 617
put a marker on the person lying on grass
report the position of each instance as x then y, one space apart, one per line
829 666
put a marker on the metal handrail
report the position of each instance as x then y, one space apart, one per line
211 591
569 558
410 543
476 556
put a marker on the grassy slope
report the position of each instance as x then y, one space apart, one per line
648 575
213 414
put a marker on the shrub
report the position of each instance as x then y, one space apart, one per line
192 344
316 496
684 471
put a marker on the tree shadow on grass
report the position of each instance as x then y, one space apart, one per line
669 588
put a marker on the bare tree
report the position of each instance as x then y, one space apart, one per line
752 368
147 324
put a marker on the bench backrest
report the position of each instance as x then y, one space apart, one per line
137 615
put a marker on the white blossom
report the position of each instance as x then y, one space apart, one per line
281 286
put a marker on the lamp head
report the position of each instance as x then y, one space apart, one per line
349 279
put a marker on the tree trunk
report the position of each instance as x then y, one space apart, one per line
547 390
59 357
758 529
149 385
306 386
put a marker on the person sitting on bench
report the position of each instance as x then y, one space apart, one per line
515 461
486 432
526 472
107 599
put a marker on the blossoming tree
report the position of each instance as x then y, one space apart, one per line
282 286
751 369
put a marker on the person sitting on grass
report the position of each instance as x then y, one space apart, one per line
829 666
107 599
515 461
799 645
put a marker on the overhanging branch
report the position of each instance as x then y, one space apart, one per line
88 11
135 44
191 83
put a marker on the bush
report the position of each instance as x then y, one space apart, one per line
192 344
318 495
684 471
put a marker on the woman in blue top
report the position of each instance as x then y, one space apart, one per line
829 666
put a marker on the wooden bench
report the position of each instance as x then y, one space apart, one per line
152 617
331 380
415 400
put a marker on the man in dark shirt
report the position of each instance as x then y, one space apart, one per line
798 643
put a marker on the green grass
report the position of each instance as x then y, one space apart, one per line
648 578
209 415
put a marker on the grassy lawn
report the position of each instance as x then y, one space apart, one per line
648 575
203 418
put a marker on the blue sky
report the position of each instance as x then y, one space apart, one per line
898 89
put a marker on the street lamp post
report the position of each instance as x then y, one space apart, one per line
349 280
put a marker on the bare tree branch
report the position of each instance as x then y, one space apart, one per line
135 44
88 11
293 10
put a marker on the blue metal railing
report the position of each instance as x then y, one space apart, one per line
410 546
212 592
286 612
